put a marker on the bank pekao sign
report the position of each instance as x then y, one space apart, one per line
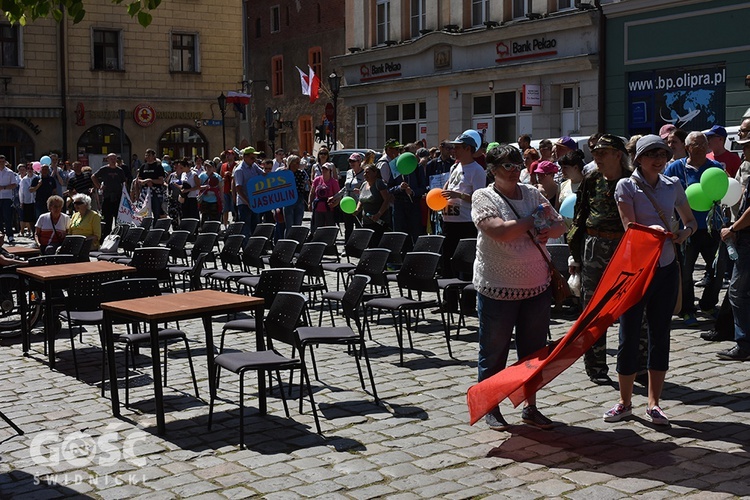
382 71
514 50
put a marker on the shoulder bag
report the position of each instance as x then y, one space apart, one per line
558 284
678 304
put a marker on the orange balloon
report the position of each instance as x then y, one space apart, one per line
435 199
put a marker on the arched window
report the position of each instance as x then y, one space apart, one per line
183 141
15 144
100 140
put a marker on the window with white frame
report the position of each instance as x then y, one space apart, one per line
480 12
503 113
275 19
570 97
402 120
418 16
360 126
382 21
106 50
521 8
184 53
10 45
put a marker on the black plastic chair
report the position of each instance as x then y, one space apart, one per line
393 241
191 226
176 244
71 244
279 325
343 335
417 276
327 235
164 223
152 262
82 307
371 264
264 229
266 286
462 264
204 243
251 259
298 234
128 243
147 223
358 241
310 260
282 254
153 237
230 257
137 288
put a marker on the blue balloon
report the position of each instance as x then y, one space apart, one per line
567 207
45 160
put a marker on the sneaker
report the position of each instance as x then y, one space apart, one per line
657 416
532 416
689 320
736 353
601 379
495 421
618 412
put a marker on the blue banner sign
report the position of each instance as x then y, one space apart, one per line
269 191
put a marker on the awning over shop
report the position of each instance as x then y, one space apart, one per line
19 112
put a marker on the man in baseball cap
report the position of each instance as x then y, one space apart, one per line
717 137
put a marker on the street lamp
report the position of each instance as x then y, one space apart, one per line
271 126
334 83
222 99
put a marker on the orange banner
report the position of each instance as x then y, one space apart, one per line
623 284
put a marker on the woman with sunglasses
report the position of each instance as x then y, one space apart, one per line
649 198
85 221
511 276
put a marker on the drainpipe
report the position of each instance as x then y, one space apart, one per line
63 87
602 66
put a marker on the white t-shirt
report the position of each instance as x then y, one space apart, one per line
465 179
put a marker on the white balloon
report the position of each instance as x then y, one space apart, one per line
734 193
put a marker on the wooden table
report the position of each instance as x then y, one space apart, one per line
202 304
56 275
19 251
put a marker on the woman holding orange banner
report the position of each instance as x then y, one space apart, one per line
512 275
650 198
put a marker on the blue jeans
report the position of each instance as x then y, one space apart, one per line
293 214
739 292
530 317
250 218
6 208
658 301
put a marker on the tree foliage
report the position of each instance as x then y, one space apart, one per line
23 11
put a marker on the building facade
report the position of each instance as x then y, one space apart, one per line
679 62
108 85
421 70
284 35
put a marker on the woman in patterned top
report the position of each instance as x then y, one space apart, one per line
510 274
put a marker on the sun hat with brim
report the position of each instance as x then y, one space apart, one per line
546 167
327 165
356 157
651 142
249 151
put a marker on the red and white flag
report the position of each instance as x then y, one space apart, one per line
310 84
238 97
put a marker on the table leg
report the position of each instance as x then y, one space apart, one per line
25 337
209 329
109 345
161 427
49 324
260 345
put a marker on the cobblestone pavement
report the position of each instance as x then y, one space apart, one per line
416 444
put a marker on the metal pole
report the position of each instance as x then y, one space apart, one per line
121 112
335 118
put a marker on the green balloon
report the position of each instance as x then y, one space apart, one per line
348 205
406 163
714 182
697 199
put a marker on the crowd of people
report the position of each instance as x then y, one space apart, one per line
507 197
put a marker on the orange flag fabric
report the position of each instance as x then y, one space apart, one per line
622 285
